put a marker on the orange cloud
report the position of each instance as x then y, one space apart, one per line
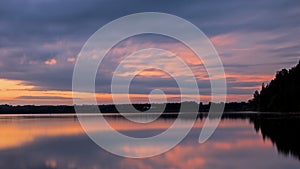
238 97
50 61
250 78
152 73
13 90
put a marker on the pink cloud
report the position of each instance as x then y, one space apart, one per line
50 61
224 40
71 59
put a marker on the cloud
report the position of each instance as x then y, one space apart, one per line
251 38
50 62
43 97
71 60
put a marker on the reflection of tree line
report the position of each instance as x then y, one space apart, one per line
282 94
281 129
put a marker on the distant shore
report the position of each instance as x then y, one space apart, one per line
168 107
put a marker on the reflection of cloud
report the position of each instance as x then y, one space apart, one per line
221 150
239 143
51 163
17 134
178 157
235 145
218 152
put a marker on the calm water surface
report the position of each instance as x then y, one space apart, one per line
59 142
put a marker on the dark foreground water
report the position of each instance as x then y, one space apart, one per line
59 142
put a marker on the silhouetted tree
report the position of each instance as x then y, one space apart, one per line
255 102
281 94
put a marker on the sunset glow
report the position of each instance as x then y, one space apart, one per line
37 62
108 84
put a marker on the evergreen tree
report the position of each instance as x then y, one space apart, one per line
282 94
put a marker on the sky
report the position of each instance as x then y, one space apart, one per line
40 41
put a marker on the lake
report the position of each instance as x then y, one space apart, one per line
58 141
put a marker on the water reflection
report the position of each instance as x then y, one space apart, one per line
282 131
15 132
44 143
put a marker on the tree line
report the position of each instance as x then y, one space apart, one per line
168 107
282 94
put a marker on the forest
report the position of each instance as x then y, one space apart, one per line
282 94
